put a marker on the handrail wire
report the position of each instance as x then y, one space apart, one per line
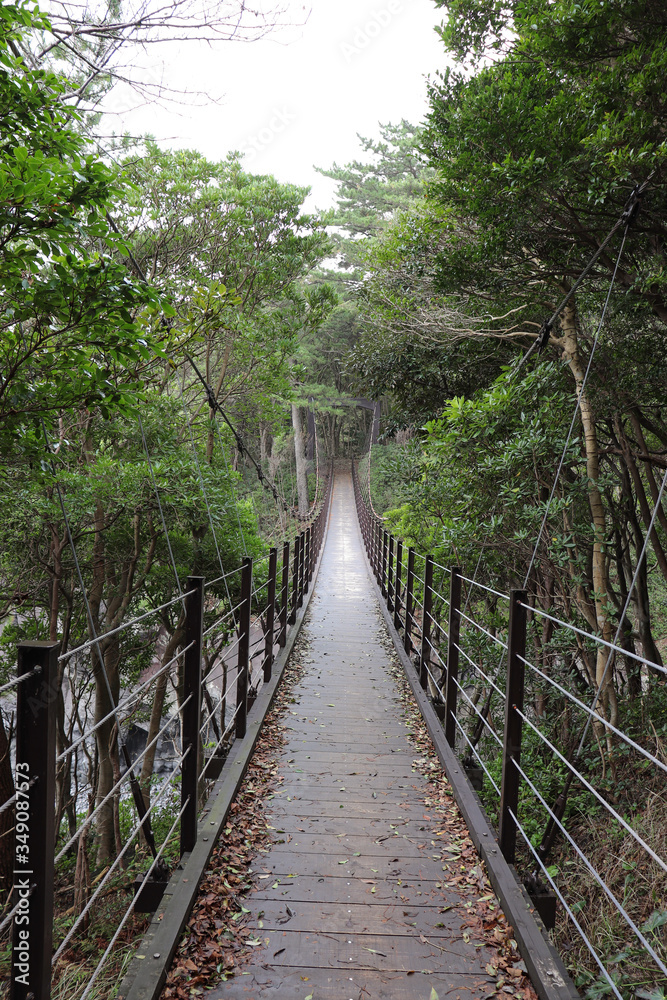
566 907
129 910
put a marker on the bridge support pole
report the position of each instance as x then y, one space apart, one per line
390 574
270 614
191 718
34 826
244 650
284 593
453 635
427 622
397 585
509 787
295 580
409 601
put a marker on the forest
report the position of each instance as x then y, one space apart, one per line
182 347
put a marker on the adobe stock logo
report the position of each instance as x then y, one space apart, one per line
365 33
281 118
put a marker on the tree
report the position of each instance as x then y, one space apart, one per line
71 333
96 48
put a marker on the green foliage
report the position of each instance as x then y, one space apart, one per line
69 321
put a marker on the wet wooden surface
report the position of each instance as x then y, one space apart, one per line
350 903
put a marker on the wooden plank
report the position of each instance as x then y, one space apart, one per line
381 952
258 981
390 865
344 891
377 844
389 917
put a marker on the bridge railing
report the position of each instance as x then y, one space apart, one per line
225 638
542 785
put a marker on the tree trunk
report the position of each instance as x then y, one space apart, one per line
640 493
598 516
299 454
156 713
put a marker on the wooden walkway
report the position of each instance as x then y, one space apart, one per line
350 901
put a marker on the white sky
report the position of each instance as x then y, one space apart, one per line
300 96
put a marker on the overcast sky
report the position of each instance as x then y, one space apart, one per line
300 96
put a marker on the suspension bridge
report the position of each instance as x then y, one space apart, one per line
375 884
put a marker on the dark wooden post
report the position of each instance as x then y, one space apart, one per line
378 551
409 601
306 562
191 717
34 829
509 786
243 664
454 632
284 593
383 580
427 621
390 574
270 614
312 548
397 585
295 580
302 554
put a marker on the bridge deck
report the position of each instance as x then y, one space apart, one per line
351 901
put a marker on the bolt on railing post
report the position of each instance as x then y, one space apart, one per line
284 593
409 601
302 553
509 786
270 614
34 823
397 585
425 656
295 580
243 665
453 639
191 716
390 574
383 581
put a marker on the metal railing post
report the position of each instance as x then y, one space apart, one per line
191 717
509 786
378 551
453 639
270 614
427 621
383 580
243 664
409 601
284 594
34 821
390 574
295 580
397 585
